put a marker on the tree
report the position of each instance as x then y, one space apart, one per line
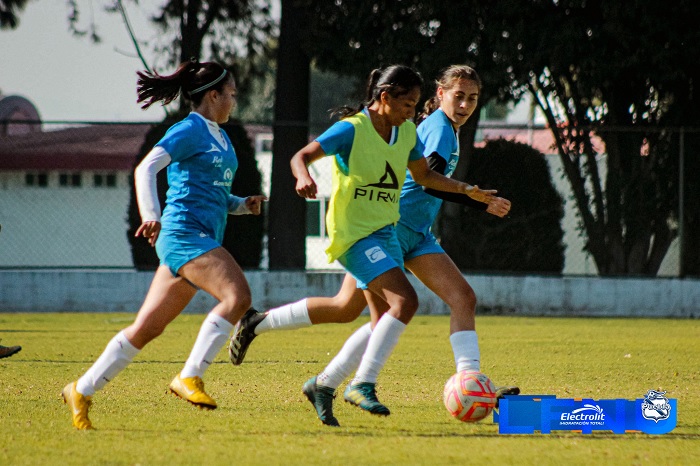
287 225
625 78
9 12
622 72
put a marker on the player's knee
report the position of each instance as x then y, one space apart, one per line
407 305
462 299
238 304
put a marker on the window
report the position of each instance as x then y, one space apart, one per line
70 180
105 180
40 180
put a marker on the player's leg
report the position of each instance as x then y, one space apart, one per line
345 306
320 389
217 273
439 273
166 298
393 302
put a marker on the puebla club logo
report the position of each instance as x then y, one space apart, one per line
655 406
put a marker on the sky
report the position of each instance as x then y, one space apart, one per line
70 78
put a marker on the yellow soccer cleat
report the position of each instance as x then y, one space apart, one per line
192 390
79 406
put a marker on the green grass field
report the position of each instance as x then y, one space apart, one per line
263 418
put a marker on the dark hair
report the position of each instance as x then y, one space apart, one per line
191 78
396 80
447 79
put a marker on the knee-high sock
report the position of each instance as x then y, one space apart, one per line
347 360
465 347
212 337
286 317
381 343
116 356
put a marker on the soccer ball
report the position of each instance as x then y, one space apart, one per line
469 396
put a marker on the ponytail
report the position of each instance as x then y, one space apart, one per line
191 79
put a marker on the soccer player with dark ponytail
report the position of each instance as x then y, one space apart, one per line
201 165
455 99
372 146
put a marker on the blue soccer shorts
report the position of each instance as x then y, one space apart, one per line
175 249
370 257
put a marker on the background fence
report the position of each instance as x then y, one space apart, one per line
65 190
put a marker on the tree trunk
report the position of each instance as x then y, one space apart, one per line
690 249
287 212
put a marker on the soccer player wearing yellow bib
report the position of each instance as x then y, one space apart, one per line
372 146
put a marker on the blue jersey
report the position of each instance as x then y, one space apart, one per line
200 175
418 209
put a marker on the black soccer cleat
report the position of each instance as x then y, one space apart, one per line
243 335
505 390
322 399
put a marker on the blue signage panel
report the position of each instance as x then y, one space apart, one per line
527 414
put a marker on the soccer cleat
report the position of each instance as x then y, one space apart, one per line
7 351
191 389
243 335
322 399
78 405
505 390
364 396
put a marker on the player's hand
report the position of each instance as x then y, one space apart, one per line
254 203
498 207
481 195
306 187
149 230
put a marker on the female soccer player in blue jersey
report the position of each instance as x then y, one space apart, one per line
201 164
373 145
454 102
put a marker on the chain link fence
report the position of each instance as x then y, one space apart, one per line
65 190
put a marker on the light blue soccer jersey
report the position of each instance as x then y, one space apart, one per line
418 209
200 175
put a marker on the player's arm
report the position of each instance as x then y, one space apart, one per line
306 186
423 175
147 192
498 206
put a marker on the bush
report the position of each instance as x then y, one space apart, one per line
530 238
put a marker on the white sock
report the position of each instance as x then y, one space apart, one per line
212 337
381 343
347 360
287 317
116 356
466 350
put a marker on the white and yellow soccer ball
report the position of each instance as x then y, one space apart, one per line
469 396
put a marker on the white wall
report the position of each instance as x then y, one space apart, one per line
63 226
123 291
